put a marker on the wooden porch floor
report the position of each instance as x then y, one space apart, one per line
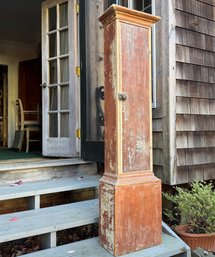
9 154
43 168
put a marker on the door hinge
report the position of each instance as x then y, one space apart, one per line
77 8
78 133
78 71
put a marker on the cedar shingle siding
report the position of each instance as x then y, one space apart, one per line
194 94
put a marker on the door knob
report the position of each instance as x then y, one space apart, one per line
44 85
122 96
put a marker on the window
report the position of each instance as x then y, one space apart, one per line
149 7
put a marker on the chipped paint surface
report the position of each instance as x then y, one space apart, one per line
137 216
110 97
130 195
130 216
136 109
106 228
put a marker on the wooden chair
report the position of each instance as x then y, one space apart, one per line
26 122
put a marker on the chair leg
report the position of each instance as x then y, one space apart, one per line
20 139
27 139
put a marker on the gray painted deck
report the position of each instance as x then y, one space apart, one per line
47 220
91 248
28 189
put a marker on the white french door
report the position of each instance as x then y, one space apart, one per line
60 108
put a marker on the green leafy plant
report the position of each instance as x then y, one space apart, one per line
196 207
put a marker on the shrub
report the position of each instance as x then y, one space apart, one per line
196 207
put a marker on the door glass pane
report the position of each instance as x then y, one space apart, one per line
64 128
123 2
53 45
64 70
53 125
147 2
63 15
64 96
64 42
52 18
108 3
53 72
138 5
148 9
53 98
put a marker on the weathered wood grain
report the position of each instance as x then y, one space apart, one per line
209 2
195 23
194 72
195 91
197 156
195 8
195 122
195 139
158 140
196 56
165 76
158 157
157 125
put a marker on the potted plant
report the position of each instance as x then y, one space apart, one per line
196 209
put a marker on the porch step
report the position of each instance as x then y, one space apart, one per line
91 248
47 221
33 190
44 168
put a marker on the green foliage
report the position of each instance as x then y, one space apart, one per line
196 207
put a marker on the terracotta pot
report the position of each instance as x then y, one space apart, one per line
205 241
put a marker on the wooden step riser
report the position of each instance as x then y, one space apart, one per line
42 173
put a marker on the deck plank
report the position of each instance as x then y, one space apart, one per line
28 189
42 221
90 248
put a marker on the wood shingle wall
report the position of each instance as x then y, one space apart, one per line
160 113
195 90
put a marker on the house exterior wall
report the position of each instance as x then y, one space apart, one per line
187 97
184 119
195 89
163 127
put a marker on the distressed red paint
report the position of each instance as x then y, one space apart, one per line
110 109
137 216
136 133
130 195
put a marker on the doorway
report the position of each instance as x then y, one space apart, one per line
20 41
3 104
58 49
